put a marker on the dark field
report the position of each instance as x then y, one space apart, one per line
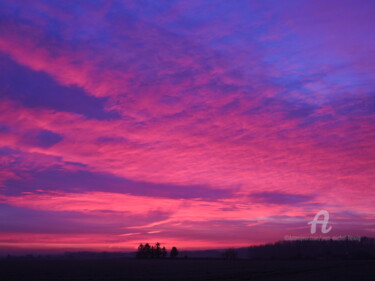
186 269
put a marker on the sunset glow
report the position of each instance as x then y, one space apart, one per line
201 124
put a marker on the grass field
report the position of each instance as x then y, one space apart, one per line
186 269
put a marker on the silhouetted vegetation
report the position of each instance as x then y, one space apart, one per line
174 253
146 251
288 260
322 260
313 249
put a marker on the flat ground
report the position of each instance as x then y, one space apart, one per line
186 269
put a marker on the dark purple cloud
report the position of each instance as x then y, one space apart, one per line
280 198
38 90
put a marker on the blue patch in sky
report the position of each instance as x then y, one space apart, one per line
35 89
280 198
42 138
47 139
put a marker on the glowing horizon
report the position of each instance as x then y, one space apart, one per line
197 125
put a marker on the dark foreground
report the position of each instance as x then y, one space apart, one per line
186 269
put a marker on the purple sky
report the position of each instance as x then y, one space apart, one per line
200 124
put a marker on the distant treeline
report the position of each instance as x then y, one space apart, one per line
155 252
363 248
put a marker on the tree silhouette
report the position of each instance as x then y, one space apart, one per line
345 248
140 252
157 250
163 252
146 251
174 252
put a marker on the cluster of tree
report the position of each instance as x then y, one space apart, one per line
146 251
310 249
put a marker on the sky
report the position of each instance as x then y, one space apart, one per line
196 124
